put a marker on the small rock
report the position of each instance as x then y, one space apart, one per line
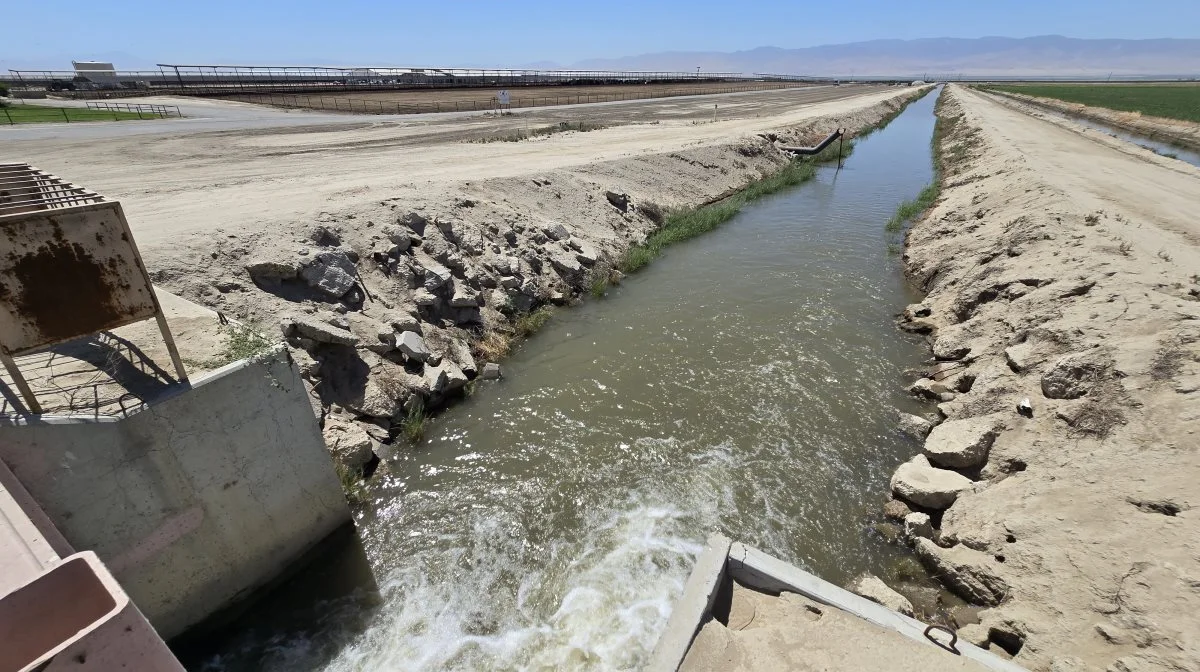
464 296
914 425
423 297
414 221
352 446
974 634
950 348
455 377
565 265
340 322
915 310
967 572
586 255
874 589
460 352
404 322
618 200
556 231
309 367
272 269
1021 357
321 332
413 346
931 389
491 371
896 509
961 444
918 525
921 483
435 378
436 275
1073 376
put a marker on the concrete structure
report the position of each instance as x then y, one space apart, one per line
61 610
196 499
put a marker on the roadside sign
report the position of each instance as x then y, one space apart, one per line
503 97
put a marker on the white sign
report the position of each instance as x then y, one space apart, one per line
503 97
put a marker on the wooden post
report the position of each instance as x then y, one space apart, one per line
30 400
170 341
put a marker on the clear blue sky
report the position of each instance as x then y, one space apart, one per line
516 32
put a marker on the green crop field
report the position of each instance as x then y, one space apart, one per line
1174 101
33 114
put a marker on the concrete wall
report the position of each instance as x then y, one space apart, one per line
195 501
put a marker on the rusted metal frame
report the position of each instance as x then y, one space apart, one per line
31 401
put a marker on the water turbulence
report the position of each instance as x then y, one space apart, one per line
745 383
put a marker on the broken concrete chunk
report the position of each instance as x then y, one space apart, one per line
435 378
921 483
321 332
436 275
464 296
556 231
961 444
272 269
566 265
413 346
950 347
491 371
1021 357
350 445
586 255
874 589
403 322
423 297
331 273
967 572
931 389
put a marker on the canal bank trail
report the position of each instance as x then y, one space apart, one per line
1064 269
745 382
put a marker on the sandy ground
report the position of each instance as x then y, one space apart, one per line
1061 267
448 100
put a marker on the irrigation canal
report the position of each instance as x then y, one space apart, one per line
746 382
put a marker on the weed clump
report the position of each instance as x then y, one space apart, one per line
412 427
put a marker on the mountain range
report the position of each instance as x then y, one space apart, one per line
1037 56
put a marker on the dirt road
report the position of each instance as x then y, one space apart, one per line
1061 268
184 180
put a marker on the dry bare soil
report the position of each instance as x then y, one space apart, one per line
1064 268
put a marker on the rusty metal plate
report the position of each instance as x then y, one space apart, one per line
68 273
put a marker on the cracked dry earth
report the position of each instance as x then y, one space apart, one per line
1063 269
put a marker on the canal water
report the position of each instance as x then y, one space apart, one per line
745 383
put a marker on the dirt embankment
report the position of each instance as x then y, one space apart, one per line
1172 131
399 302
1062 477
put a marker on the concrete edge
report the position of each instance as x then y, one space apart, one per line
18 420
693 605
759 570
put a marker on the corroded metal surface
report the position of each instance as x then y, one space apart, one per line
68 273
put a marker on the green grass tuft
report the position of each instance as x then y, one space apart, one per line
353 487
529 323
412 427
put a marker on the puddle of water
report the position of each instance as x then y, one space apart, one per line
745 383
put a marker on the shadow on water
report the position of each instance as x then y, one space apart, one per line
746 382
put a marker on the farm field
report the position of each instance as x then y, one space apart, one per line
1172 101
35 114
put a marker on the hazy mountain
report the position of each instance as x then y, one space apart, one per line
1045 55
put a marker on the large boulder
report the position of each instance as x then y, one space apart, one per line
319 331
921 483
969 573
961 444
413 346
1073 376
331 273
874 589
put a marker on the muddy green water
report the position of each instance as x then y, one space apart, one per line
745 383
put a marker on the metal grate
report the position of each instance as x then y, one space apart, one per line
24 188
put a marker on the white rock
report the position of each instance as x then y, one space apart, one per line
874 589
922 484
918 525
961 444
321 332
914 425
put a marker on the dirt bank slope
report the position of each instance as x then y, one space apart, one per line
1065 271
1174 131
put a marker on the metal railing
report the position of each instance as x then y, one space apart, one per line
147 109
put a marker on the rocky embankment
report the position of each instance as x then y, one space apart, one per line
1172 131
1061 467
398 305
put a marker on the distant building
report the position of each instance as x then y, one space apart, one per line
98 73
